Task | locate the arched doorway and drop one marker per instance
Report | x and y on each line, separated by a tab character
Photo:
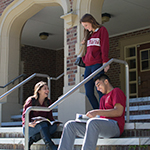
12	23
45	56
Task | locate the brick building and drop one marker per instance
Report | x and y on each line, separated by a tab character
18	57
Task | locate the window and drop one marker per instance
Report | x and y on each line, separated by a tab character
131	59
145	60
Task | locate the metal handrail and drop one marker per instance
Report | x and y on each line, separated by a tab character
25	81
12	81
28	79
34	108
52	78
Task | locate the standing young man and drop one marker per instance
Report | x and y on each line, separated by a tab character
110	124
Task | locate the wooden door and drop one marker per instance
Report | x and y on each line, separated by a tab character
143	60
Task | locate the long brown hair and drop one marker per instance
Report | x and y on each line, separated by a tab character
36	95
37	88
87	18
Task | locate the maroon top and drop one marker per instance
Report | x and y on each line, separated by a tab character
108	101
97	48
32	114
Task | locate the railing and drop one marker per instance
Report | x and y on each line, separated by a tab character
28	79
52	78
12	81
25	81
35	108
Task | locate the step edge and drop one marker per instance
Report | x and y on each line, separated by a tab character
79	141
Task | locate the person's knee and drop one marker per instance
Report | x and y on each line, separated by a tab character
91	123
69	124
97	123
43	124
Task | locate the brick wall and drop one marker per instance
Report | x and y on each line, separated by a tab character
114	52
71	67
4	4
45	61
71	4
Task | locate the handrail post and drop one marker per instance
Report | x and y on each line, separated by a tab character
49	86
127	91
49	83
27	129
29	109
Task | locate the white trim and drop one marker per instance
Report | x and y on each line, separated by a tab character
12	141
129	32
59	49
79	141
139	108
11	130
128	126
13	7
140	99
139	117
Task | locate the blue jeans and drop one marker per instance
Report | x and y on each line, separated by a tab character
35	133
89	86
38	127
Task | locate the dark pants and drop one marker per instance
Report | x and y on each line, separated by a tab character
89	86
34	133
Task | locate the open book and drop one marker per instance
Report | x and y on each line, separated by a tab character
82	118
40	119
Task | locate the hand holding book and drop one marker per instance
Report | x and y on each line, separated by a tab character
82	118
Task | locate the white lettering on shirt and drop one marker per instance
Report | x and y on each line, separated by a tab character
93	42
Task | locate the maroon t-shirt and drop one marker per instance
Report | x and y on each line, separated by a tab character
109	100
97	47
32	114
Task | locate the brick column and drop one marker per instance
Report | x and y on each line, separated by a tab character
71	3
71	67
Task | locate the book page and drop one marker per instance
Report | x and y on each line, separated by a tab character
56	122
81	118
40	119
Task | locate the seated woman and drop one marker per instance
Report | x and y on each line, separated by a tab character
43	129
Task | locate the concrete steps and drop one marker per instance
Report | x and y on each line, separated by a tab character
139	109
136	135
111	144
12	138
12	124
139	112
